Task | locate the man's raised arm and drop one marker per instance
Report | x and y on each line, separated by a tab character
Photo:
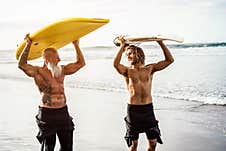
22	64
168	58
80	61
119	67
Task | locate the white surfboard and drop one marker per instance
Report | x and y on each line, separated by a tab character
146	38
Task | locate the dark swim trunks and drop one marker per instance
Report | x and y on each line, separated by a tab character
141	119
50	121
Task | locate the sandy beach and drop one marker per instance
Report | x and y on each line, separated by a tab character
98	116
190	110
189	96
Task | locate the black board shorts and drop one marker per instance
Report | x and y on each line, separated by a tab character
50	121
141	119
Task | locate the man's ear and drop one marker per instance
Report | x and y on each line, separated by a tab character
46	60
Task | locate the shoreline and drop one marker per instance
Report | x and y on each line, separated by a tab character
98	117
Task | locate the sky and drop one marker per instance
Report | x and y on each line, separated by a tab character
196	21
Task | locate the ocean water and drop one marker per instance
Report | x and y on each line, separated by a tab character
198	76
198	73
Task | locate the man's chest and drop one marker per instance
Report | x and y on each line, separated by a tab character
139	76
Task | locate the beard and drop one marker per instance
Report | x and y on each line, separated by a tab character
56	70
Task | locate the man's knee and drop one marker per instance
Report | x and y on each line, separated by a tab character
152	144
134	145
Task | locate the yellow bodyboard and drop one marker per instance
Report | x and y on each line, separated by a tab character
59	34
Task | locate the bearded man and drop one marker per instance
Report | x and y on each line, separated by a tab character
53	117
140	114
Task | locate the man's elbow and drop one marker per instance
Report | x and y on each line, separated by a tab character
171	60
20	66
82	64
115	65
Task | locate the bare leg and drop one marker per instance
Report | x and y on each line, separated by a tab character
152	144
134	145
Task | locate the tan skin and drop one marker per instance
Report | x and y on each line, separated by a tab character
50	87
139	79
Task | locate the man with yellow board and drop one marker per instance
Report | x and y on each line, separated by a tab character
140	114
53	117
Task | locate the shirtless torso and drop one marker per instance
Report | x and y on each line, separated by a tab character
139	82
50	84
139	76
51	88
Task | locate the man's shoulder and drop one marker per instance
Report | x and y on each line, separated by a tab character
150	65
39	67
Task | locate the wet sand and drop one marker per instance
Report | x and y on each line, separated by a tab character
98	116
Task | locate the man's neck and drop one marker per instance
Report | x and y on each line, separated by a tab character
137	66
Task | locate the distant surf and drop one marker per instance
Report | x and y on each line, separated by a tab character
198	73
